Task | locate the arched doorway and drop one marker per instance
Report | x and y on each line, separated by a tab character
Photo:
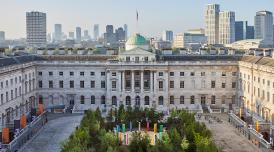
137	101
128	100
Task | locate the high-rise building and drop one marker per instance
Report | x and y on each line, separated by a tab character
78	34
240	30
109	36
96	32
264	27
250	32
86	35
167	36
126	31
57	32
36	26
178	41
2	36
71	35
120	34
226	27
191	39
212	23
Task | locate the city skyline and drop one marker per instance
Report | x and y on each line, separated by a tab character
172	15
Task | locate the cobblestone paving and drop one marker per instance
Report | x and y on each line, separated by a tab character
49	139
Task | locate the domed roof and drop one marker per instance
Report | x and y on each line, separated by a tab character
137	39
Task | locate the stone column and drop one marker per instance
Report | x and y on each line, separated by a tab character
132	81
142	81
151	81
123	81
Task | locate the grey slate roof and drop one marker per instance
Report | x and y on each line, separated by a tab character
12	60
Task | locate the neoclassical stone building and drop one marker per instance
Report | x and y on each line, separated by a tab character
137	77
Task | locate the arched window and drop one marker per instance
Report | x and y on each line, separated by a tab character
92	100
40	100
146	100
51	99
128	100
161	100
82	99
103	100
114	100
137	100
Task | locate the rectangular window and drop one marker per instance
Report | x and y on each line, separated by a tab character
192	99
82	73
127	58
71	73
267	96
50	73
212	84
234	74
223	85
182	99
40	84
161	74
92	100
92	73
171	74
61	84
103	84
50	84
233	85
202	73
92	84
192	73
182	84
82	84
113	74
171	84
71	84
103	73
113	84
136	59
40	73
61	73
213	99
2	99
146	59
171	99
182	74
161	84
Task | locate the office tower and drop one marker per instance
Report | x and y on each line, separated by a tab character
194	38
240	30
96	32
226	27
212	23
120	34
250	32
178	41
78	34
36	29
126	31
86	35
109	29
57	32
264	27
71	35
2	36
109	36
167	36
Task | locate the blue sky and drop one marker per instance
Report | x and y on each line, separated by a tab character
154	15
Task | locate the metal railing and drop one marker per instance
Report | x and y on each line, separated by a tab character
25	134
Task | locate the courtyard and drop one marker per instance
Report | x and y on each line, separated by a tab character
227	137
50	138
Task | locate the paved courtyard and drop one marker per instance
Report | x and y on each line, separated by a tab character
227	137
49	139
